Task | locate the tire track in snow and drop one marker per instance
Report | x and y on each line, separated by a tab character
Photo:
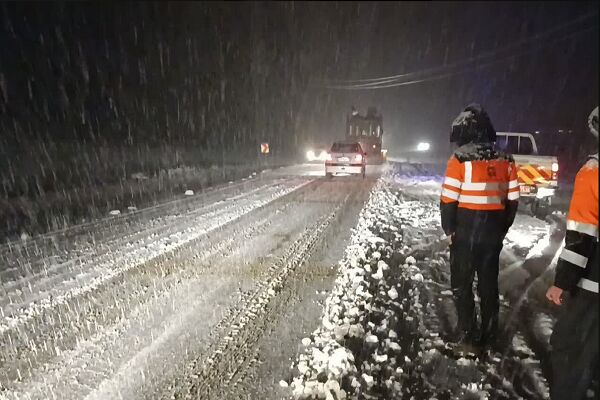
217	375
54	272
224	243
111	265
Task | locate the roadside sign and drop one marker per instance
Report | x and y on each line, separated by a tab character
264	148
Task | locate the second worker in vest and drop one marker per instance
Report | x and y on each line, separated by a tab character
478	205
575	336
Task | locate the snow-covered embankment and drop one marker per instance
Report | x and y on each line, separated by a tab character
386	325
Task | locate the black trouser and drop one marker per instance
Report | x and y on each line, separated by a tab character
466	259
575	347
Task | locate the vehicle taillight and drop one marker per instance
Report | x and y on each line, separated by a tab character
358	158
554	171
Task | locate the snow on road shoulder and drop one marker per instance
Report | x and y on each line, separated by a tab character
385	325
529	235
124	256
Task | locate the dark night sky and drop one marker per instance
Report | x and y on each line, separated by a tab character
549	85
231	74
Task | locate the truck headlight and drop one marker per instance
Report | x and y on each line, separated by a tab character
423	146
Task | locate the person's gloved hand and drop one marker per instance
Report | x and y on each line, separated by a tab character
554	294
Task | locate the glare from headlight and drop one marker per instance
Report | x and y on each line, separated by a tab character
323	155
423	146
310	155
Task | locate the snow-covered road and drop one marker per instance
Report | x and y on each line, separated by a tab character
143	305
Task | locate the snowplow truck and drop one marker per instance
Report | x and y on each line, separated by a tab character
537	175
368	131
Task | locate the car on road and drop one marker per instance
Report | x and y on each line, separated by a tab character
346	158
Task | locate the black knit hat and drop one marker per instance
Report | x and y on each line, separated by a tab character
472	125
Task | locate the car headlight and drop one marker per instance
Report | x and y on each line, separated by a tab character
310	155
323	155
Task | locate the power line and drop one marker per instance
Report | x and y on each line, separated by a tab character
396	83
392	81
484	55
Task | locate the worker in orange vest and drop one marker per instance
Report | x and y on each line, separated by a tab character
575	337
478	205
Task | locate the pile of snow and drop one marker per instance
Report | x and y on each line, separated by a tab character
365	311
380	335
327	364
526	231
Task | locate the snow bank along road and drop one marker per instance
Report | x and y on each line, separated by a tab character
177	300
387	322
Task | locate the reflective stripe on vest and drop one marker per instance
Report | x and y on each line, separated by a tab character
468	171
513	195
574	258
452	182
450	194
479	199
582	227
588	285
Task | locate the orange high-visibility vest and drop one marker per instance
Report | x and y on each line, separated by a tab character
578	261
583	210
480	184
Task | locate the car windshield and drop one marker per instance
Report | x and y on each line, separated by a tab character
345	148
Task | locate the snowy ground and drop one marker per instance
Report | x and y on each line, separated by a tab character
95	198
195	284
214	295
387	323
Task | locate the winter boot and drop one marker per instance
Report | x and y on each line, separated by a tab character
467	346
